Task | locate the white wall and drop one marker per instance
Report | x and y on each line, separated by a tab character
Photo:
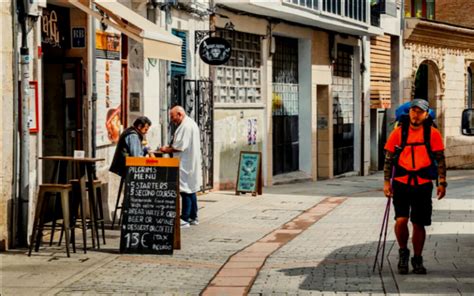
6	111
305	107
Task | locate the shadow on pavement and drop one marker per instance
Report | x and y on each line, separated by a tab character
448	258
347	269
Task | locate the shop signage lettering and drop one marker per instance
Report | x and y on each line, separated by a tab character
78	37
215	51
49	25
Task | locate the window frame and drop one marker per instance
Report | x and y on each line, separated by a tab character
424	9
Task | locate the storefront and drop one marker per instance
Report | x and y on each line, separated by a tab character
87	96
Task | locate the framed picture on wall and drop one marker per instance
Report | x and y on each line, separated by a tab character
33	124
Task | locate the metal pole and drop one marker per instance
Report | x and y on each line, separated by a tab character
24	132
15	177
94	91
165	126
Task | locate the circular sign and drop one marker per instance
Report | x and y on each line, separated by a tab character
215	51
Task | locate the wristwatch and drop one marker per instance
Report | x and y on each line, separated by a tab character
444	184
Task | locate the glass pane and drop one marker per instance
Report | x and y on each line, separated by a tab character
430	9
418	8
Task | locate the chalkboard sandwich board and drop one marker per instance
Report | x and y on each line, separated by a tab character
150	223
249	175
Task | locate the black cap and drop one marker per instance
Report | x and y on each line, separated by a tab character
420	103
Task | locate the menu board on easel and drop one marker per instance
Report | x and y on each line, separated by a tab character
249	175
150	223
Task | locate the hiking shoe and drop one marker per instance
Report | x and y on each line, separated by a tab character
417	263
184	224
194	221
403	257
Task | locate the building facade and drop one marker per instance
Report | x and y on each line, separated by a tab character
296	89
438	65
94	67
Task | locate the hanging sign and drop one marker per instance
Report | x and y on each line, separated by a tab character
215	51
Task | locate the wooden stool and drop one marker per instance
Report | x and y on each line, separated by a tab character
38	223
96	207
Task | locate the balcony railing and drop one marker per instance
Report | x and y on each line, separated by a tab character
355	10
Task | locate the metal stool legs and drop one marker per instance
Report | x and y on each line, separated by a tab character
122	181
64	191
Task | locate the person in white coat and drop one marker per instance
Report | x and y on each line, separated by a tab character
186	145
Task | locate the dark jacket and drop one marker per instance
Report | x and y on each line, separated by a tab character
122	150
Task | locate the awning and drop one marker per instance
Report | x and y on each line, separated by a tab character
157	42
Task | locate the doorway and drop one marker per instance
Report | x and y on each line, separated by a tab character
285	106
427	87
62	110
343	110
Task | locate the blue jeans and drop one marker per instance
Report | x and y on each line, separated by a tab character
190	208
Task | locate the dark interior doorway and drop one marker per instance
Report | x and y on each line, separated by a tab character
285	107
62	110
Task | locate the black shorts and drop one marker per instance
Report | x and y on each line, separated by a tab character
413	201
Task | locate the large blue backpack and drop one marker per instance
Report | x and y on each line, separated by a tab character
402	119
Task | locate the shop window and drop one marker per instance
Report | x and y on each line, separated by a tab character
422	9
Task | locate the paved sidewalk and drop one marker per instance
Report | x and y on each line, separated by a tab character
332	256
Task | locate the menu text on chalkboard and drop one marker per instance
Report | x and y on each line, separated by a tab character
150	206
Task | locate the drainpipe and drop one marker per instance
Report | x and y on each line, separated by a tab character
15	178
94	89
24	131
362	113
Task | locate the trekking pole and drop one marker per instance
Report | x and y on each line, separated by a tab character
384	226
385	235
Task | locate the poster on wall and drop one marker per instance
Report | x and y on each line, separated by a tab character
108	75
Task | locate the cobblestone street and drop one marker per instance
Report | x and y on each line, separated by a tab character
299	239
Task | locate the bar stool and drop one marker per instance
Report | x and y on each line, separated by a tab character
96	207
64	191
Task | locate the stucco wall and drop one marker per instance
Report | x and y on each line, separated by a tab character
6	111
232	127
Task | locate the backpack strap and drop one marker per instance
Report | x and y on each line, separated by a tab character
405	127
427	137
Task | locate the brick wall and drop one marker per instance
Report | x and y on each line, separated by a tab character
455	12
